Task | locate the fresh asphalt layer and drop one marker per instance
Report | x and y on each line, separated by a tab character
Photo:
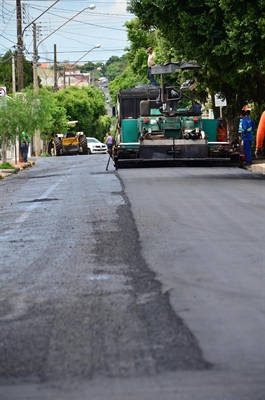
100	296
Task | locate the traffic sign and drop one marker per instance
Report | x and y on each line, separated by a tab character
220	101
2	92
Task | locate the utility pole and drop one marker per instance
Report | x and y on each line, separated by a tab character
13	76
55	84
14	92
20	42
35	60
19	48
36	139
20	73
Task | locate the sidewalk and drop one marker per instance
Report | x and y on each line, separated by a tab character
19	166
258	165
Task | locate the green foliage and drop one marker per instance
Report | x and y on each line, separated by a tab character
85	105
139	64
96	70
6	165
45	155
42	108
77	105
257	111
6	71
126	80
57	123
225	36
89	66
114	67
20	113
112	59
142	38
103	126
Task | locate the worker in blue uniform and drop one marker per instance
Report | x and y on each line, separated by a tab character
248	129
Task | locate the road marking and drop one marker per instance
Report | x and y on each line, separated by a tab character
97	277
30	209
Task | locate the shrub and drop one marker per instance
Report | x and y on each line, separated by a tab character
6	165
45	155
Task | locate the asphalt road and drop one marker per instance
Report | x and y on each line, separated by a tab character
141	284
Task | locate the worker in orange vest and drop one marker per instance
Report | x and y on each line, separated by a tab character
260	136
221	131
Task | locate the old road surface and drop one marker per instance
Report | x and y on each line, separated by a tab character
140	284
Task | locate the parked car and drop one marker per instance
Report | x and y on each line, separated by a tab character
95	146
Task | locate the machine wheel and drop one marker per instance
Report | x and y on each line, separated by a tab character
57	146
83	144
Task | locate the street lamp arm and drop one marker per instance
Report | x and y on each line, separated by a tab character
91	7
95	47
39	16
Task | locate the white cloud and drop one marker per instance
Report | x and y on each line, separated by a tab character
119	7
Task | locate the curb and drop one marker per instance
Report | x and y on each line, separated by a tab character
255	167
4	173
258	168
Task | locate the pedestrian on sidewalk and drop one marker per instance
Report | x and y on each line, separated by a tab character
248	129
25	146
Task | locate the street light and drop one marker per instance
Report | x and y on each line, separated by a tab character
32	22
91	7
35	64
36	46
95	47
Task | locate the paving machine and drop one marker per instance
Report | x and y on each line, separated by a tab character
164	126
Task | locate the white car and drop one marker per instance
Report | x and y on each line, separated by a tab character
95	146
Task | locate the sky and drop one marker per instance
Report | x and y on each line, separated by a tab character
103	25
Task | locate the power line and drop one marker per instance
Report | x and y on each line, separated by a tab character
78	51
7	39
80	1
88	23
78	31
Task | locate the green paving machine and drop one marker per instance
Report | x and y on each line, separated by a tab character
164	126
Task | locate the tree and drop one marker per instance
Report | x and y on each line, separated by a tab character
112	59
85	105
226	37
89	66
101	121
6	71
126	80
57	124
114	67
95	69
103	126
140	39
25	112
